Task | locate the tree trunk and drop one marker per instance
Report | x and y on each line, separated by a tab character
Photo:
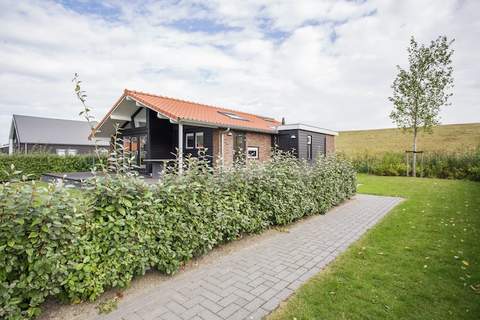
414	164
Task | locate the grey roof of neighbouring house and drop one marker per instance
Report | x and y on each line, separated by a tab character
51	131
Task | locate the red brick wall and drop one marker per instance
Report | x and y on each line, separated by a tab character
330	147
261	140
216	147
228	149
264	143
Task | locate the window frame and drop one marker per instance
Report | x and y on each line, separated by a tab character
257	152
61	152
187	135
72	152
196	140
233	115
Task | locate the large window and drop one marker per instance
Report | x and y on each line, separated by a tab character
189	140
199	140
309	148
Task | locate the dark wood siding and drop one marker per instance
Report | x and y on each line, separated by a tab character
318	144
161	140
299	144
207	140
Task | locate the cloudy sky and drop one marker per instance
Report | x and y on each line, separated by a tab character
327	63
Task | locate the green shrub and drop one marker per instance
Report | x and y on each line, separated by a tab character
444	165
121	226
38	228
36	164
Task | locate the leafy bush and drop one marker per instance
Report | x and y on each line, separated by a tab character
36	164
38	228
445	165
75	247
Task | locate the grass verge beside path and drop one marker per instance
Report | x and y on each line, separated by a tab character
422	261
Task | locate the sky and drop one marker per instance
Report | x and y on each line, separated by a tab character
325	63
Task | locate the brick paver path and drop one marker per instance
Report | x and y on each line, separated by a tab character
251	282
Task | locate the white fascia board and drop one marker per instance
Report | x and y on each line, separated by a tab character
120	117
212	125
306	127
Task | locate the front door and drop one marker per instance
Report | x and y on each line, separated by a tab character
239	147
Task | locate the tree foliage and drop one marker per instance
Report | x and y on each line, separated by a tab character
421	90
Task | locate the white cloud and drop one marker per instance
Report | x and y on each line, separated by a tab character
333	68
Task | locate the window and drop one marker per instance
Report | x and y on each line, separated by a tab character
189	140
199	140
309	147
232	115
61	152
252	152
140	119
72	152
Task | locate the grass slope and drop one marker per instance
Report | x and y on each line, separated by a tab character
454	137
419	262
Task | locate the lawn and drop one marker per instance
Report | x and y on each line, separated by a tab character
422	261
454	137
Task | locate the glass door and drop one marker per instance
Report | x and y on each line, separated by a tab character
136	146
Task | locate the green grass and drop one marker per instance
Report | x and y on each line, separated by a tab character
454	137
419	262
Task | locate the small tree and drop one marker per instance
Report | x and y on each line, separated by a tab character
420	91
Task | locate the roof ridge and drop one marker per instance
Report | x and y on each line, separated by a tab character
196	103
47	118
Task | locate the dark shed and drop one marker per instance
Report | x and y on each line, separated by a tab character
305	141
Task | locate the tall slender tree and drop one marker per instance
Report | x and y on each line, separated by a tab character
421	90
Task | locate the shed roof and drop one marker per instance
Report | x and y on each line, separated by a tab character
40	130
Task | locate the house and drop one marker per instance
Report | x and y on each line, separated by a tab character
63	137
154	128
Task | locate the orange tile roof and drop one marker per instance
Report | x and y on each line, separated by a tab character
176	110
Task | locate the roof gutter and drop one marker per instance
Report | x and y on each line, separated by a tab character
220	125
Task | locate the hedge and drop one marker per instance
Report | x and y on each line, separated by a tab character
36	164
444	165
57	243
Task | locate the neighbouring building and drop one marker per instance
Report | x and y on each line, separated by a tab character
63	137
157	128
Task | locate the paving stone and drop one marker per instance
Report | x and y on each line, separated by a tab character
228	310
253	281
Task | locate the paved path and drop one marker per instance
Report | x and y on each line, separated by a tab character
251	282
